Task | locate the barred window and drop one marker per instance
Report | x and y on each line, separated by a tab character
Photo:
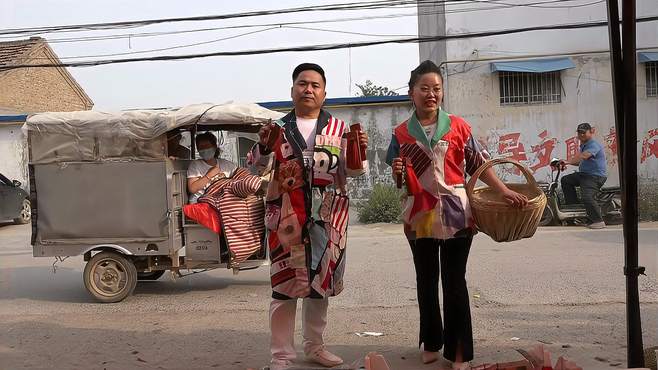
652	78
530	88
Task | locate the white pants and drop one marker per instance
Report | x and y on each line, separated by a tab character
282	326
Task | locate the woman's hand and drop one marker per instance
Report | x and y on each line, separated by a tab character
515	199
212	172
397	166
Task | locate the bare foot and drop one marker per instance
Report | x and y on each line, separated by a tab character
429	357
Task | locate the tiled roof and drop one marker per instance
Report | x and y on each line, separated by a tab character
13	52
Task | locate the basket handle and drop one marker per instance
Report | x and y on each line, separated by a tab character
526	173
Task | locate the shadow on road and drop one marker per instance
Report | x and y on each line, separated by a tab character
66	285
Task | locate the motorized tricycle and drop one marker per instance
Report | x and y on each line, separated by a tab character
103	186
558	213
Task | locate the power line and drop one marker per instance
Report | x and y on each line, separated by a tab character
170	47
381	4
332	20
368	5
325	46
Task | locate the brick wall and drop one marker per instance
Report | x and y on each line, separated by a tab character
39	89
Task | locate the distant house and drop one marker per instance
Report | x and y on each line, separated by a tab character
37	89
30	90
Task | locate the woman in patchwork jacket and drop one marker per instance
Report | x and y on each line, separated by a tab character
434	150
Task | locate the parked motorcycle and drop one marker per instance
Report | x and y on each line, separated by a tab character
558	213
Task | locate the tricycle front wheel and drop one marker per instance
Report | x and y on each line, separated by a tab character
110	277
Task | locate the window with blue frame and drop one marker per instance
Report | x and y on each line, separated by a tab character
530	88
652	78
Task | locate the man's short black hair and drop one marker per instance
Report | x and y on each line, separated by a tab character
308	67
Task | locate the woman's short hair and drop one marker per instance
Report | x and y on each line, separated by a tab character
425	67
207	136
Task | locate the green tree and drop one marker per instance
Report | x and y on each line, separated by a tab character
370	89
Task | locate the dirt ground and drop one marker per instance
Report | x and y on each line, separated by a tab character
563	288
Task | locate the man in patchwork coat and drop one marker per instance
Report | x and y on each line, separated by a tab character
306	215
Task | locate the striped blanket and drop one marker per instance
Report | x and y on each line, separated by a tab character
242	213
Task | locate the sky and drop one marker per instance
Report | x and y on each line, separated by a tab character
217	79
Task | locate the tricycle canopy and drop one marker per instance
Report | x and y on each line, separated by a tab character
133	134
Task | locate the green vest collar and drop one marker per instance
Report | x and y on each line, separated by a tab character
442	128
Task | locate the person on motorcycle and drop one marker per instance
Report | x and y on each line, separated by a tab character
591	175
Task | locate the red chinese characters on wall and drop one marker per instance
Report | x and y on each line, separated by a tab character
610	141
650	145
543	151
573	147
509	146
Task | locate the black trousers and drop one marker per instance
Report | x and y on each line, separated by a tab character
447	259
589	186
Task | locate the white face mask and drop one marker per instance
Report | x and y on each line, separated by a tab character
207	154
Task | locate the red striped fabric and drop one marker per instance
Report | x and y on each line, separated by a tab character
340	212
419	159
242	213
335	127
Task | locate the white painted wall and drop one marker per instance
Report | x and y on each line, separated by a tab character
537	42
378	121
473	91
587	97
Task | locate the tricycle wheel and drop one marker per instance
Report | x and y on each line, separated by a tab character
546	217
110	277
151	275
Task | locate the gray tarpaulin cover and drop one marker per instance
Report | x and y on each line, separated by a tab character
135	134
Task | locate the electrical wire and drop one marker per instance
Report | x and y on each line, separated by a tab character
323	46
371	5
167	48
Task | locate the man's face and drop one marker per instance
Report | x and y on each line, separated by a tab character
584	135
308	91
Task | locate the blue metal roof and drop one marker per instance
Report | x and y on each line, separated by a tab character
359	100
645	57
534	65
13	118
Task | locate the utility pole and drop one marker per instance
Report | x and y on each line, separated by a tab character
624	85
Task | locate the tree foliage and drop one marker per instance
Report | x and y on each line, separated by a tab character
370	89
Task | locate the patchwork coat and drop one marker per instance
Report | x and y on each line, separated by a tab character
438	207
307	207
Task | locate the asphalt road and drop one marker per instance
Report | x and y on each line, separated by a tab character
564	288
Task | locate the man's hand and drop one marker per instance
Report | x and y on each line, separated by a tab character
397	166
515	199
562	165
264	134
363	139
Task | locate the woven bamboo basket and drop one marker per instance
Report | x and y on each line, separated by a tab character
495	217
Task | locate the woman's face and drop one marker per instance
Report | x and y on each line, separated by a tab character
206	149
427	93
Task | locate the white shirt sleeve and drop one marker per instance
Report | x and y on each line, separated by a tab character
195	169
227	167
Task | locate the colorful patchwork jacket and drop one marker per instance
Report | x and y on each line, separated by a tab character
438	207
306	209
